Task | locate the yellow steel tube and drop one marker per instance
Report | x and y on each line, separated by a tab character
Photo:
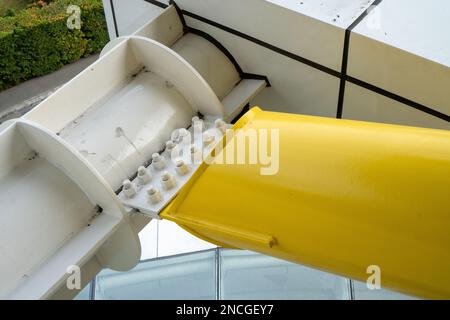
348	195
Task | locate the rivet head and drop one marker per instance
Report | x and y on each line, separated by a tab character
170	145
165	176
128	189
167	180
143	175
197	123
208	138
181	167
184	136
183	132
158	161
221	125
154	194
142	171
156	156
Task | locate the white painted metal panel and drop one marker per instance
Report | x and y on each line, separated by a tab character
365	105
165	28
296	87
302	34
130	15
166	62
50	220
73	165
45	281
340	13
242	94
121	132
132	99
403	47
210	62
416	26
75	97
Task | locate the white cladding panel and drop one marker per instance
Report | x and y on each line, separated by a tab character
403	47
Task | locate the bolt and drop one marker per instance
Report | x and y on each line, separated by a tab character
184	136
208	139
175	135
183	132
181	167
221	125
167	180
197	123
143	175
158	161
154	194
180	136
128	189
156	157
170	145
126	184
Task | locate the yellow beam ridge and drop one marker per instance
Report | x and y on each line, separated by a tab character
344	197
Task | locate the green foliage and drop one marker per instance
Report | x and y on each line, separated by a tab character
10	12
36	41
10	7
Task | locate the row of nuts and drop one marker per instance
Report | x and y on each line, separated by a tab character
144	177
180	136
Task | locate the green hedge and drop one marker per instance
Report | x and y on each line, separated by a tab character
36	40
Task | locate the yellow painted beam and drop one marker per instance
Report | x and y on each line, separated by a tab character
348	195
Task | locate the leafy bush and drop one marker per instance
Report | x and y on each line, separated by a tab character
36	41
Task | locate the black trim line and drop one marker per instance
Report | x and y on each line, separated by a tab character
344	66
220	47
398	98
264	44
116	29
92	289
157	3
244	110
340	105
247	37
254	76
180	14
351	287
